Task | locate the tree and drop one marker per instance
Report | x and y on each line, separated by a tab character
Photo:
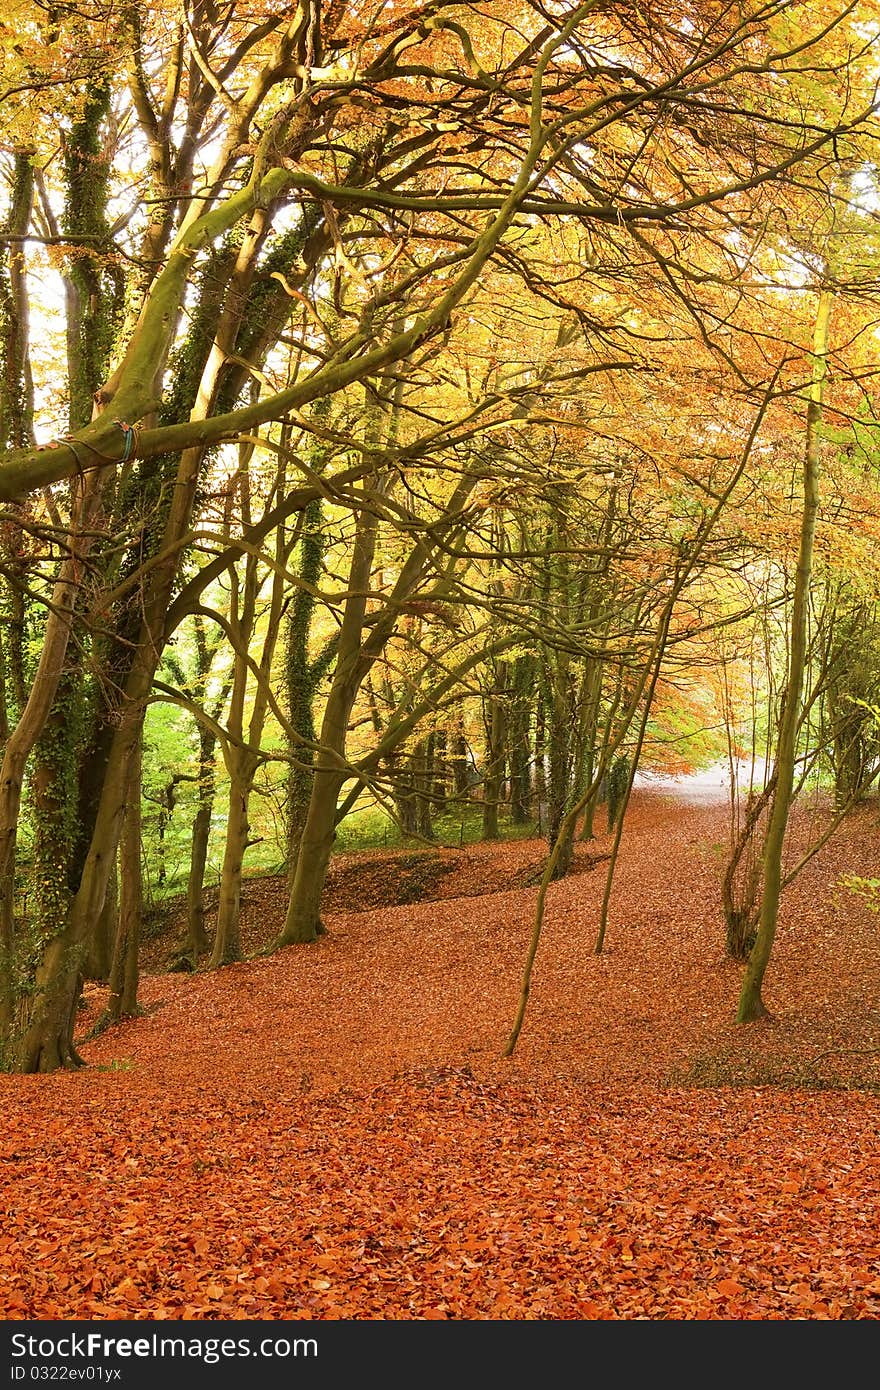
318	200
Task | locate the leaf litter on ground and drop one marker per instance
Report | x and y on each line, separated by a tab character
331	1131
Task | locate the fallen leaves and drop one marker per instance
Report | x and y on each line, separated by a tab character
419	1176
447	1200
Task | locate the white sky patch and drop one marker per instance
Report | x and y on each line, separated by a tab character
865	191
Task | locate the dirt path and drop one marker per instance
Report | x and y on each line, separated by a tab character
435	983
331	1132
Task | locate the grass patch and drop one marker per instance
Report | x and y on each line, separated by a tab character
369	827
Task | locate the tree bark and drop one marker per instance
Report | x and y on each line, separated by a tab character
303	919
124	973
751	1004
196	945
496	752
227	937
30	726
519	741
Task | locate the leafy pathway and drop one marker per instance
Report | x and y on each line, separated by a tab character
331	1133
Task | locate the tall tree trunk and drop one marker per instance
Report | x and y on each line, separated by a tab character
196	944
751	1004
588	733
440	788
459	764
303	919
98	960
540	774
242	762
355	656
423	780
519	742
16	383
122	1001
401	776
560	760
301	676
227	937
496	752
31	725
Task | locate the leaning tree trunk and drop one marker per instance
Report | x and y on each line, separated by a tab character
751	1004
47	1041
355	655
303	919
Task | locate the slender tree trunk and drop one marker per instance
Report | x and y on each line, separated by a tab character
227	938
740	887
496	751
423	782
519	754
559	751
241	761
540	777
301	675
751	1004
122	1001
440	788
196	945
459	764
588	734
16	384
569	823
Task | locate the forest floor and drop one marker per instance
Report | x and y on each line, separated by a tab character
331	1131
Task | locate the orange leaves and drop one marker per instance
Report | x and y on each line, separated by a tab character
419	1177
491	1199
729	1288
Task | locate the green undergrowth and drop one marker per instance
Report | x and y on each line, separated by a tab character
367	828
